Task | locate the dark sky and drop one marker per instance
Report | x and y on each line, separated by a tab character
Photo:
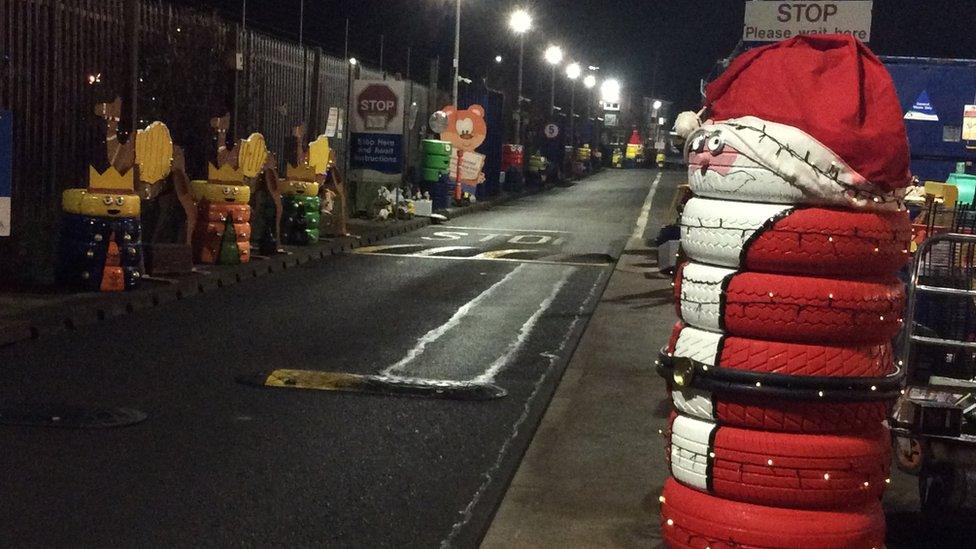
622	37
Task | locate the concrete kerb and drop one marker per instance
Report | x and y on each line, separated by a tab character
75	311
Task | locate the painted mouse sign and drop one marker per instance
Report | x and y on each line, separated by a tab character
466	130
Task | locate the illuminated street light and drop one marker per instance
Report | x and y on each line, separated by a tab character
573	71
589	81
657	104
352	61
498	59
554	55
520	22
610	91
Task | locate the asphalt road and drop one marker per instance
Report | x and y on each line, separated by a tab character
500	297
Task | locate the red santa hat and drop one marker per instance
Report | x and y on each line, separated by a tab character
838	97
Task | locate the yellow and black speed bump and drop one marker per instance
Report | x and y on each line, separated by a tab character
374	384
69	417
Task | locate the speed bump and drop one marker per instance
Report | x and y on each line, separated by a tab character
315	380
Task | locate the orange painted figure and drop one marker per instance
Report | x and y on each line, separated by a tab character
466	131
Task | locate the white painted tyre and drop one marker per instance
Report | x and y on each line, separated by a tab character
795	240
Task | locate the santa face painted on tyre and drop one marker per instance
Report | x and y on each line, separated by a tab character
754	160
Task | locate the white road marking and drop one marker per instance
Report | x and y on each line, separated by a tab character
441	250
637	238
506	231
372	249
475	258
489	375
455	319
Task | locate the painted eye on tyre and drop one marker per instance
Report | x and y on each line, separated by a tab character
716	144
698	143
226	191
107	200
120	200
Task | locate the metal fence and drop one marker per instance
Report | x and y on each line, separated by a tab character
58	58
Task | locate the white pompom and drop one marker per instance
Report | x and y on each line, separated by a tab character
686	123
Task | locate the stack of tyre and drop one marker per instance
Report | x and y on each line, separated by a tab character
437	159
780	370
513	156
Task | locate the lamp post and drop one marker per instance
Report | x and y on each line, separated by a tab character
457	51
589	82
573	72
554	56
520	22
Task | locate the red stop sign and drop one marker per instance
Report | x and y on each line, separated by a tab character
377	102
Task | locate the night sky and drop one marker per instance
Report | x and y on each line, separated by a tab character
622	37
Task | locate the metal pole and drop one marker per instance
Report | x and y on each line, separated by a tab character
345	133
132	32
518	101
301	46
457	51
572	115
382	39
552	95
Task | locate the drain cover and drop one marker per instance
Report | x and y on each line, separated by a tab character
69	417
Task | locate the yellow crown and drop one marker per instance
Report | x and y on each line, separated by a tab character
302	172
111	181
224	174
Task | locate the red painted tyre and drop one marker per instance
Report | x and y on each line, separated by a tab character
778	357
787	239
694	520
790	308
780	415
798	471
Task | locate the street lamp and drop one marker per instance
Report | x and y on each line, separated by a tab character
520	22
657	104
498	59
610	91
573	72
554	56
589	81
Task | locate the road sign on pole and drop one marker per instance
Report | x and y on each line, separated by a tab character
771	21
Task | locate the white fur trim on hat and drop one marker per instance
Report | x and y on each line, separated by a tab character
778	164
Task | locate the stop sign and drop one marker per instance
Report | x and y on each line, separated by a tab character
376	105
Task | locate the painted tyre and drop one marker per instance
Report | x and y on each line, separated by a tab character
433	175
789	308
780	415
240	213
798	471
433	146
777	357
437	162
694	520
786	239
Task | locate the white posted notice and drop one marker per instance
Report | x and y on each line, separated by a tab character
771	21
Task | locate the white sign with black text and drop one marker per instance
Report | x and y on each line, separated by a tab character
771	21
